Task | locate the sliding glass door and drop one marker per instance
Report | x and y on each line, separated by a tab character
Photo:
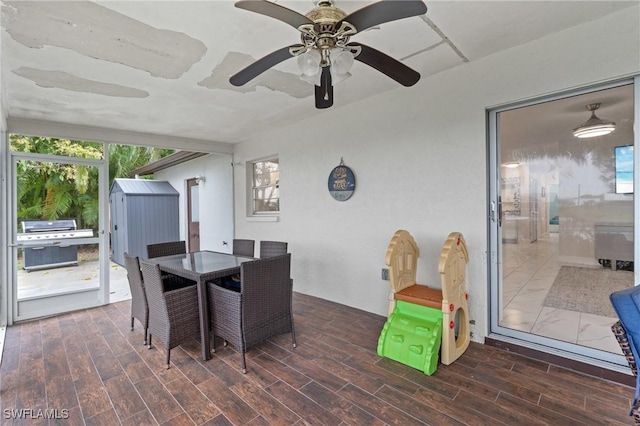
562	224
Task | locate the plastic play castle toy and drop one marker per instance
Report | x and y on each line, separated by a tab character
425	322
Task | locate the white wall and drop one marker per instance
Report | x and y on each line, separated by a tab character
420	159
216	198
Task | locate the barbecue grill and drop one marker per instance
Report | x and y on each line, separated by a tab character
42	245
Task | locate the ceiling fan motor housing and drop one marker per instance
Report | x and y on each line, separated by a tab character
323	34
326	12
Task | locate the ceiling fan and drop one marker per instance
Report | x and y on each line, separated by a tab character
325	55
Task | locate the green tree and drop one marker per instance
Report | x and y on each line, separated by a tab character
52	190
123	159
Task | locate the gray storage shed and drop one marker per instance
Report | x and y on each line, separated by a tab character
142	212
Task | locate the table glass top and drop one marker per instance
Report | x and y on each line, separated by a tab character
202	262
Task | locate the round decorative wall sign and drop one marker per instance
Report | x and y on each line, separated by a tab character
342	182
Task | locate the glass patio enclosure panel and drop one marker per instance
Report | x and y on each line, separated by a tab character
61	269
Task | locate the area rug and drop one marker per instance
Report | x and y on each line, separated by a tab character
587	290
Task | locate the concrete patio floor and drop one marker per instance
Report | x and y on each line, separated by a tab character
38	283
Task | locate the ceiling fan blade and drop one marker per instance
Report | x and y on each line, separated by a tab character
384	11
387	65
261	65
274	10
324	92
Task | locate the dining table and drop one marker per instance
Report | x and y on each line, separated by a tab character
201	267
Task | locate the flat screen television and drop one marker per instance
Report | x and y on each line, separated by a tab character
624	169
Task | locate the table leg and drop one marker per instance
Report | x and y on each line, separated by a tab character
204	320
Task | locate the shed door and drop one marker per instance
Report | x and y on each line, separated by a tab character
118	231
193	214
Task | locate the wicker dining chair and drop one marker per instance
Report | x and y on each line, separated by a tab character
261	309
139	305
173	314
244	247
272	248
166	249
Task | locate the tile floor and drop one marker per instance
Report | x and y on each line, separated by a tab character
90	367
529	272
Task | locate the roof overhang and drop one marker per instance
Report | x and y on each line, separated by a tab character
166	162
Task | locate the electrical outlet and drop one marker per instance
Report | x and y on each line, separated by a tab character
385	274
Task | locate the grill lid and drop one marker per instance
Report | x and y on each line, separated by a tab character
29	226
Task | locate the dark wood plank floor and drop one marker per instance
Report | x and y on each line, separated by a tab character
88	366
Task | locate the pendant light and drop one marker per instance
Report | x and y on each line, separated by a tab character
594	126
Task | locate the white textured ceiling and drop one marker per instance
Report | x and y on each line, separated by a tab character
162	67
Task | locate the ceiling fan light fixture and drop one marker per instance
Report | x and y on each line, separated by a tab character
594	126
337	78
311	79
309	63
341	63
312	61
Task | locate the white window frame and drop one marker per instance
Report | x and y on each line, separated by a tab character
251	207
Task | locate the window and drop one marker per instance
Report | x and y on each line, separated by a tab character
265	186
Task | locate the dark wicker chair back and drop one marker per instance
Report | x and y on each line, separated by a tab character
272	248
139	306
169	249
244	247
173	314
166	249
260	310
